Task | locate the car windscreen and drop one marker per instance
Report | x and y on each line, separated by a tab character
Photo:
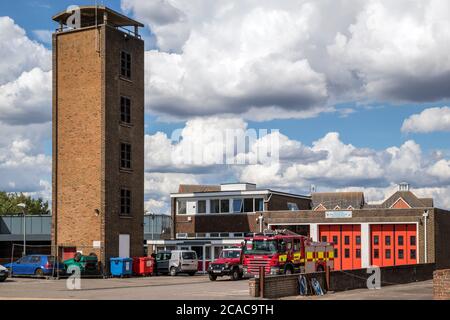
230	254
189	255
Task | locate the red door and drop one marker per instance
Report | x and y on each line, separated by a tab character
356	239
335	237
411	234
389	245
401	246
347	247
377	245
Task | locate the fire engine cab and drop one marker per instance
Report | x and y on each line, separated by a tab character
285	252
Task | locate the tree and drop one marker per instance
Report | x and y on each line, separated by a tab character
9	202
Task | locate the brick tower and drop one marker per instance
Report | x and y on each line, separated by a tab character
98	134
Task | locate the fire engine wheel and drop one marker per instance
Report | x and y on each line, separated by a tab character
212	277
288	270
236	275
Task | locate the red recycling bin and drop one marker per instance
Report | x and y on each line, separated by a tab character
143	266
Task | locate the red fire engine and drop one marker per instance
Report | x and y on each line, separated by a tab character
285	252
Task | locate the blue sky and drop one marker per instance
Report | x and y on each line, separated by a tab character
207	61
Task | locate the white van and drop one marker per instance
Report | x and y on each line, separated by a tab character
183	261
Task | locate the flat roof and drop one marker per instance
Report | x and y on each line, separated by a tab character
236	193
89	12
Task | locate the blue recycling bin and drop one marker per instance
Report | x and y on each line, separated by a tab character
121	267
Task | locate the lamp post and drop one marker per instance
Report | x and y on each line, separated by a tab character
23	206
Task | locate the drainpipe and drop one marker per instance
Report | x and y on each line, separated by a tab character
425	216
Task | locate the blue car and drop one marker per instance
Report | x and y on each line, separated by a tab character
36	265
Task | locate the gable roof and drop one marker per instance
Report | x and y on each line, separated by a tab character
409	198
331	200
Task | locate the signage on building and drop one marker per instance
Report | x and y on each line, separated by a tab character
338	214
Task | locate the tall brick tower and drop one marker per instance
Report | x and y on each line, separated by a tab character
98	134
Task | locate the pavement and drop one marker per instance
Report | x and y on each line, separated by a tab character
412	291
139	288
183	288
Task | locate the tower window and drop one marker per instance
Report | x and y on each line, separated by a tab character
125	202
125	156
125	65
125	110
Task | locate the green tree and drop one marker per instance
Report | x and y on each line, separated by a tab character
9	202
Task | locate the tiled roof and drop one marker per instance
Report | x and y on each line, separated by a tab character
409	197
190	188
343	200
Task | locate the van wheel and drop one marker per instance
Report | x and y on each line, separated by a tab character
235	275
212	277
173	271
39	273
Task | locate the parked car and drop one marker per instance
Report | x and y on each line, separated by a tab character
87	264
3	273
37	265
177	261
229	263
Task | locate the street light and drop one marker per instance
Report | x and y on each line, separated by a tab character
23	207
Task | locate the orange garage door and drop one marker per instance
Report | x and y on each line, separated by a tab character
347	244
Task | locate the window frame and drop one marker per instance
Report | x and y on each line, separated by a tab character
125	71
126	158
125	202
125	110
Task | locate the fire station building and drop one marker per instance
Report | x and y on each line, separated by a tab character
403	229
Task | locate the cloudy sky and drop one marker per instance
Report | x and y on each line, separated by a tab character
359	91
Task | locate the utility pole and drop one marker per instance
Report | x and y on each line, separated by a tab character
23	206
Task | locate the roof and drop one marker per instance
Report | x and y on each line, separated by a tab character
191	188
410	198
88	13
330	200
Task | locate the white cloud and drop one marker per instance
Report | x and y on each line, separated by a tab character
44	36
293	59
429	120
27	99
18	52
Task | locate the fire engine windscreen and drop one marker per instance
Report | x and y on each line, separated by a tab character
263	246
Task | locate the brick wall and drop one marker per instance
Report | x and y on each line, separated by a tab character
441	284
282	286
442	238
86	140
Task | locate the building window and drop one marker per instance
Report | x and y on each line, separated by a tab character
336	251
125	65
181	206
324	238
376	240
225	235
335	240
387	240
347	253
201	206
214	235
259	204
237	205
125	110
125	156
413	254
388	253
347	240
412	240
401	254
125	202
292	206
400	240
376	253
215	206
358	240
248	205
358	253
225	206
